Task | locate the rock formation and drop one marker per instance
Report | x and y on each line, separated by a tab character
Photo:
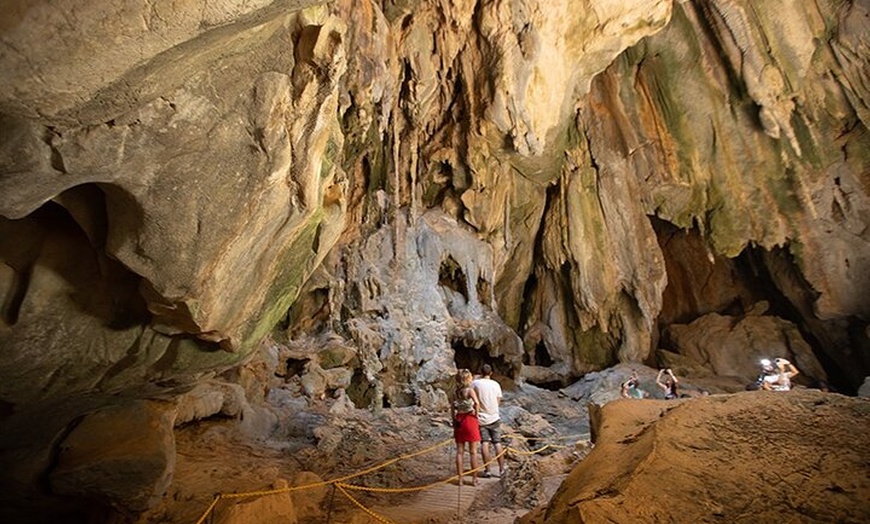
771	455
388	190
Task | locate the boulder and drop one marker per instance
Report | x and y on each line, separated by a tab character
276	508
123	456
211	398
733	346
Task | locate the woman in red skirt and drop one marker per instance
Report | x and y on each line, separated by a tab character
463	411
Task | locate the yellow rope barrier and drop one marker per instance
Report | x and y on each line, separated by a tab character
371	513
533	451
321	483
580	436
210	507
425	486
342	485
373	489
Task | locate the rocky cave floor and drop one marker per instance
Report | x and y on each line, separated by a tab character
314	444
329	439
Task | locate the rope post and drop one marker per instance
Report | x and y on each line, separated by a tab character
331	499
459	499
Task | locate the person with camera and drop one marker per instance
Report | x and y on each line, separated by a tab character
631	388
669	386
780	379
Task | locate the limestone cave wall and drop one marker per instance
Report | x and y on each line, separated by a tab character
553	187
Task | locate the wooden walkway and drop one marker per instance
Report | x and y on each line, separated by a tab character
440	501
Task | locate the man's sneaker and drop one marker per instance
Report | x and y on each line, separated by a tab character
486	474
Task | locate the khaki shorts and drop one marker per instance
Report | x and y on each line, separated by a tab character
491	432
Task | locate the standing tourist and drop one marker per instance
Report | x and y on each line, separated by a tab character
466	429
489	393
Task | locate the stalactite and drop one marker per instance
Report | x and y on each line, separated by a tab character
414	203
396	191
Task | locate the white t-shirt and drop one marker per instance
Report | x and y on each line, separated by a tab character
489	394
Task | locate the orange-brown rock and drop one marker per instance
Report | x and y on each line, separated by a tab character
798	455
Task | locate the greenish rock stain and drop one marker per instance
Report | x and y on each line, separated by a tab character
330	154
366	145
596	348
191	356
783	189
810	153
725	225
294	269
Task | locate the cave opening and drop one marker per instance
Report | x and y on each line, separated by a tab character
451	276
295	367
701	282
473	359
68	236
797	308
542	355
361	391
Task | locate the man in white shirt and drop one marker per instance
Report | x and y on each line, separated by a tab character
489	394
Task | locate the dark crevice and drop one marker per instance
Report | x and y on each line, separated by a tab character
295	367
310	313
484	292
452	276
800	314
43	480
555	385
700	283
529	306
15	298
361	392
474	357
214	418
56	157
536	351
542	356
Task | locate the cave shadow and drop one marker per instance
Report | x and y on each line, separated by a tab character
473	359
701	282
67	236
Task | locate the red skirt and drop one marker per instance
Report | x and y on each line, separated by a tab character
466	429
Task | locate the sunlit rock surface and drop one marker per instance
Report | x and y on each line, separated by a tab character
735	458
